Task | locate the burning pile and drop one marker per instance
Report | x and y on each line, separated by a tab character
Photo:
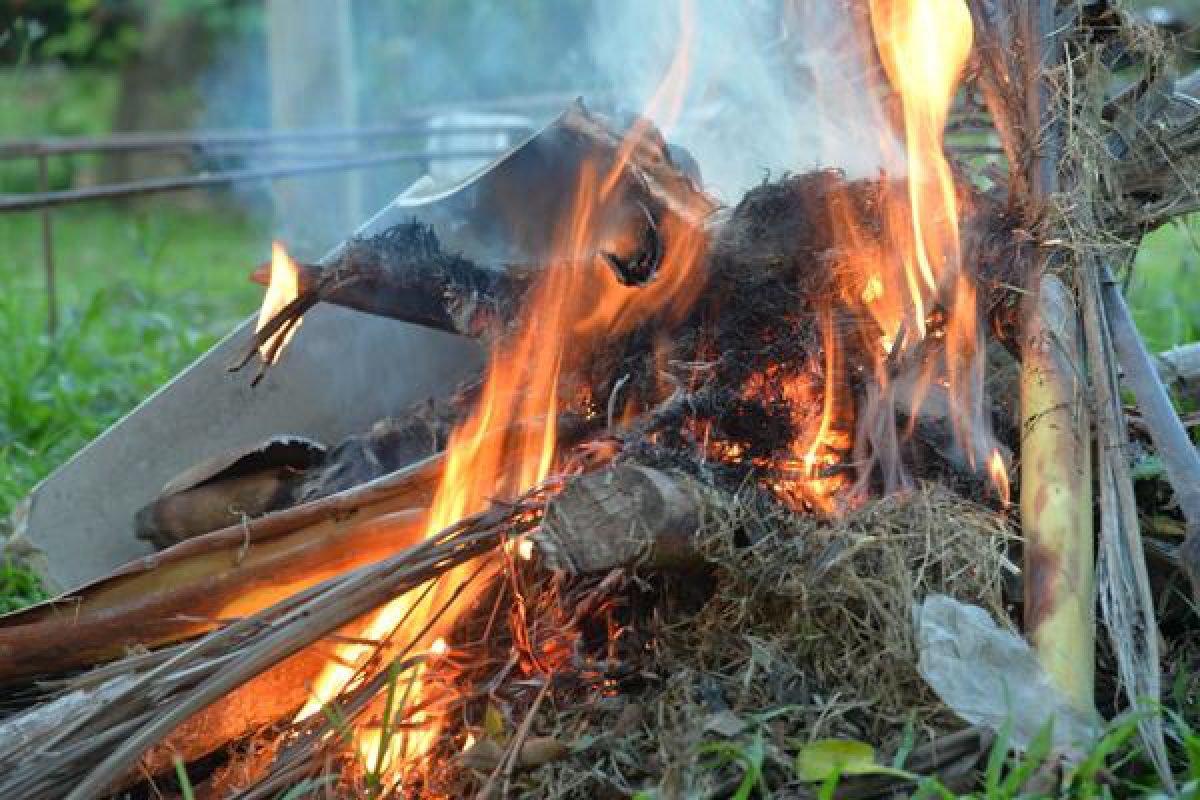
792	418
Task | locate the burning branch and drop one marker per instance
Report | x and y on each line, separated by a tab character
403	273
167	692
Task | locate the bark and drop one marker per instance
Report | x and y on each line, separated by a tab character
625	516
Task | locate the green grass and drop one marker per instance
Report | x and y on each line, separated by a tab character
1165	291
142	293
1113	767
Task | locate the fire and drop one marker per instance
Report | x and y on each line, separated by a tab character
508	444
998	472
910	277
283	288
924	45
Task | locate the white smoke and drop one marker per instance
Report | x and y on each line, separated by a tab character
773	86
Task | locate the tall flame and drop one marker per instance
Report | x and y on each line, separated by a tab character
508	443
910	276
283	288
924	46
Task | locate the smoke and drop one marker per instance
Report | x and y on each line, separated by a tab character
772	86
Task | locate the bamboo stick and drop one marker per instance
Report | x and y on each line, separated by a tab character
1056	495
1056	514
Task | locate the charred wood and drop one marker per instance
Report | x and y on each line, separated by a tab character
227	489
404	273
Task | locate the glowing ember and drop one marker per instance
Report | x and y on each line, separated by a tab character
283	288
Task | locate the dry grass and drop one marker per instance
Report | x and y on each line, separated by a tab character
807	633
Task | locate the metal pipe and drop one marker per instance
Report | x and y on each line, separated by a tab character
174	140
42	200
48	251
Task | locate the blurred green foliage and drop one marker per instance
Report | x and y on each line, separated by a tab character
102	33
53	101
143	294
1164	292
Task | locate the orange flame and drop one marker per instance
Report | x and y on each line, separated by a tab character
909	276
924	45
283	288
999	475
508	443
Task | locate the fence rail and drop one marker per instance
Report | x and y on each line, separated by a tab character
48	199
263	144
225	140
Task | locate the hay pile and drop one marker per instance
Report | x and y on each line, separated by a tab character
807	632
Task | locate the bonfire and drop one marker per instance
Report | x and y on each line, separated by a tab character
735	481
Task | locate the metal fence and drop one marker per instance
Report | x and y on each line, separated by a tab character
302	153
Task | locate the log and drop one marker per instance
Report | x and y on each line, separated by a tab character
626	516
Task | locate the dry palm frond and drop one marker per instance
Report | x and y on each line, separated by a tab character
97	748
